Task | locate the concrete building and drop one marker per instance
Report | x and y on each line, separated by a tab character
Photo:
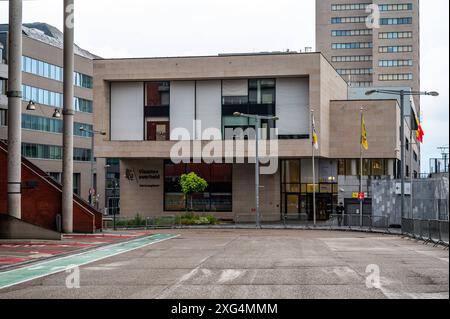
42	65
365	55
142	104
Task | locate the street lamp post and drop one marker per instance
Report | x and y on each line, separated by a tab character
402	94
257	119
68	112
14	94
92	133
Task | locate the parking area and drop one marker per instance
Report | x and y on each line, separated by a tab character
226	264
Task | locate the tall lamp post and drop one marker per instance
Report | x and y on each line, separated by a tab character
15	109
92	134
257	119
402	94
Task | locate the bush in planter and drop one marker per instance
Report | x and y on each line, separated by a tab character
191	219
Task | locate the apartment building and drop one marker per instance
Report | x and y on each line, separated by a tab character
42	66
143	104
366	55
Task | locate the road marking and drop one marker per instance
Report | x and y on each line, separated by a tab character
46	268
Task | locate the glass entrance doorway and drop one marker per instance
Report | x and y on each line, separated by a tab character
300	207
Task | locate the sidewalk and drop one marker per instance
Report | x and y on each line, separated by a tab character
15	253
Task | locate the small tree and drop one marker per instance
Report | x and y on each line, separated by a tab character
191	184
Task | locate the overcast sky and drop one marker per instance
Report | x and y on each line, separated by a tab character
144	28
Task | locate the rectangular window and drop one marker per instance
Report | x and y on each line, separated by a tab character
351	33
395	63
3	117
3	83
351	45
349	7
396	77
395	49
395	35
340	20
216	198
77	183
352	58
261	91
158	131
395	21
157	94
56	176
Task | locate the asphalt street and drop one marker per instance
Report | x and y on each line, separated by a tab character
287	264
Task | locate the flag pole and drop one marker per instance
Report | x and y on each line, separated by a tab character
313	167
361	172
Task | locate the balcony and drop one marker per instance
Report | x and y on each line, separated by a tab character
157	111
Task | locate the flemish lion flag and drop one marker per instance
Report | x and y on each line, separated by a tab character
364	141
419	133
315	139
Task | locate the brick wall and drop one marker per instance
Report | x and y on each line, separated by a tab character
41	199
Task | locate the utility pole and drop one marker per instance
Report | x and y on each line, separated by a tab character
68	113
361	172
15	109
403	152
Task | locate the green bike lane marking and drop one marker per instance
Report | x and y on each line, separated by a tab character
46	268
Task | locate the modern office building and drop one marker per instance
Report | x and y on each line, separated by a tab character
42	65
365	56
143	103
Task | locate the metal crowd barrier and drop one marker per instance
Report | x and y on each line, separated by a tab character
334	222
429	231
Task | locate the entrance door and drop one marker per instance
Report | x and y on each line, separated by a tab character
292	205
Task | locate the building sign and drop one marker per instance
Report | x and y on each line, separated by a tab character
360	196
144	177
398	189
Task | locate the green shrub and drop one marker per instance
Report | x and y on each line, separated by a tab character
191	219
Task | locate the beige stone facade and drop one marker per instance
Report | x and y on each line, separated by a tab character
337	123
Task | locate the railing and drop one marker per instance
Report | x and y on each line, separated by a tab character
156	222
430	231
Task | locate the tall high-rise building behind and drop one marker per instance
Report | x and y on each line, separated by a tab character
383	53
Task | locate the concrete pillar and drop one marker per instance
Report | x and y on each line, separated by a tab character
15	109
354	168
391	164
68	113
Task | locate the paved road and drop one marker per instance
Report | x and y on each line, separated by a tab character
257	264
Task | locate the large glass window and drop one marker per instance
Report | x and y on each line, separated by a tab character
53	152
262	91
54	72
216	198
44	124
235	128
157	94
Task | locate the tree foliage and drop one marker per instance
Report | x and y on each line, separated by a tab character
192	183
